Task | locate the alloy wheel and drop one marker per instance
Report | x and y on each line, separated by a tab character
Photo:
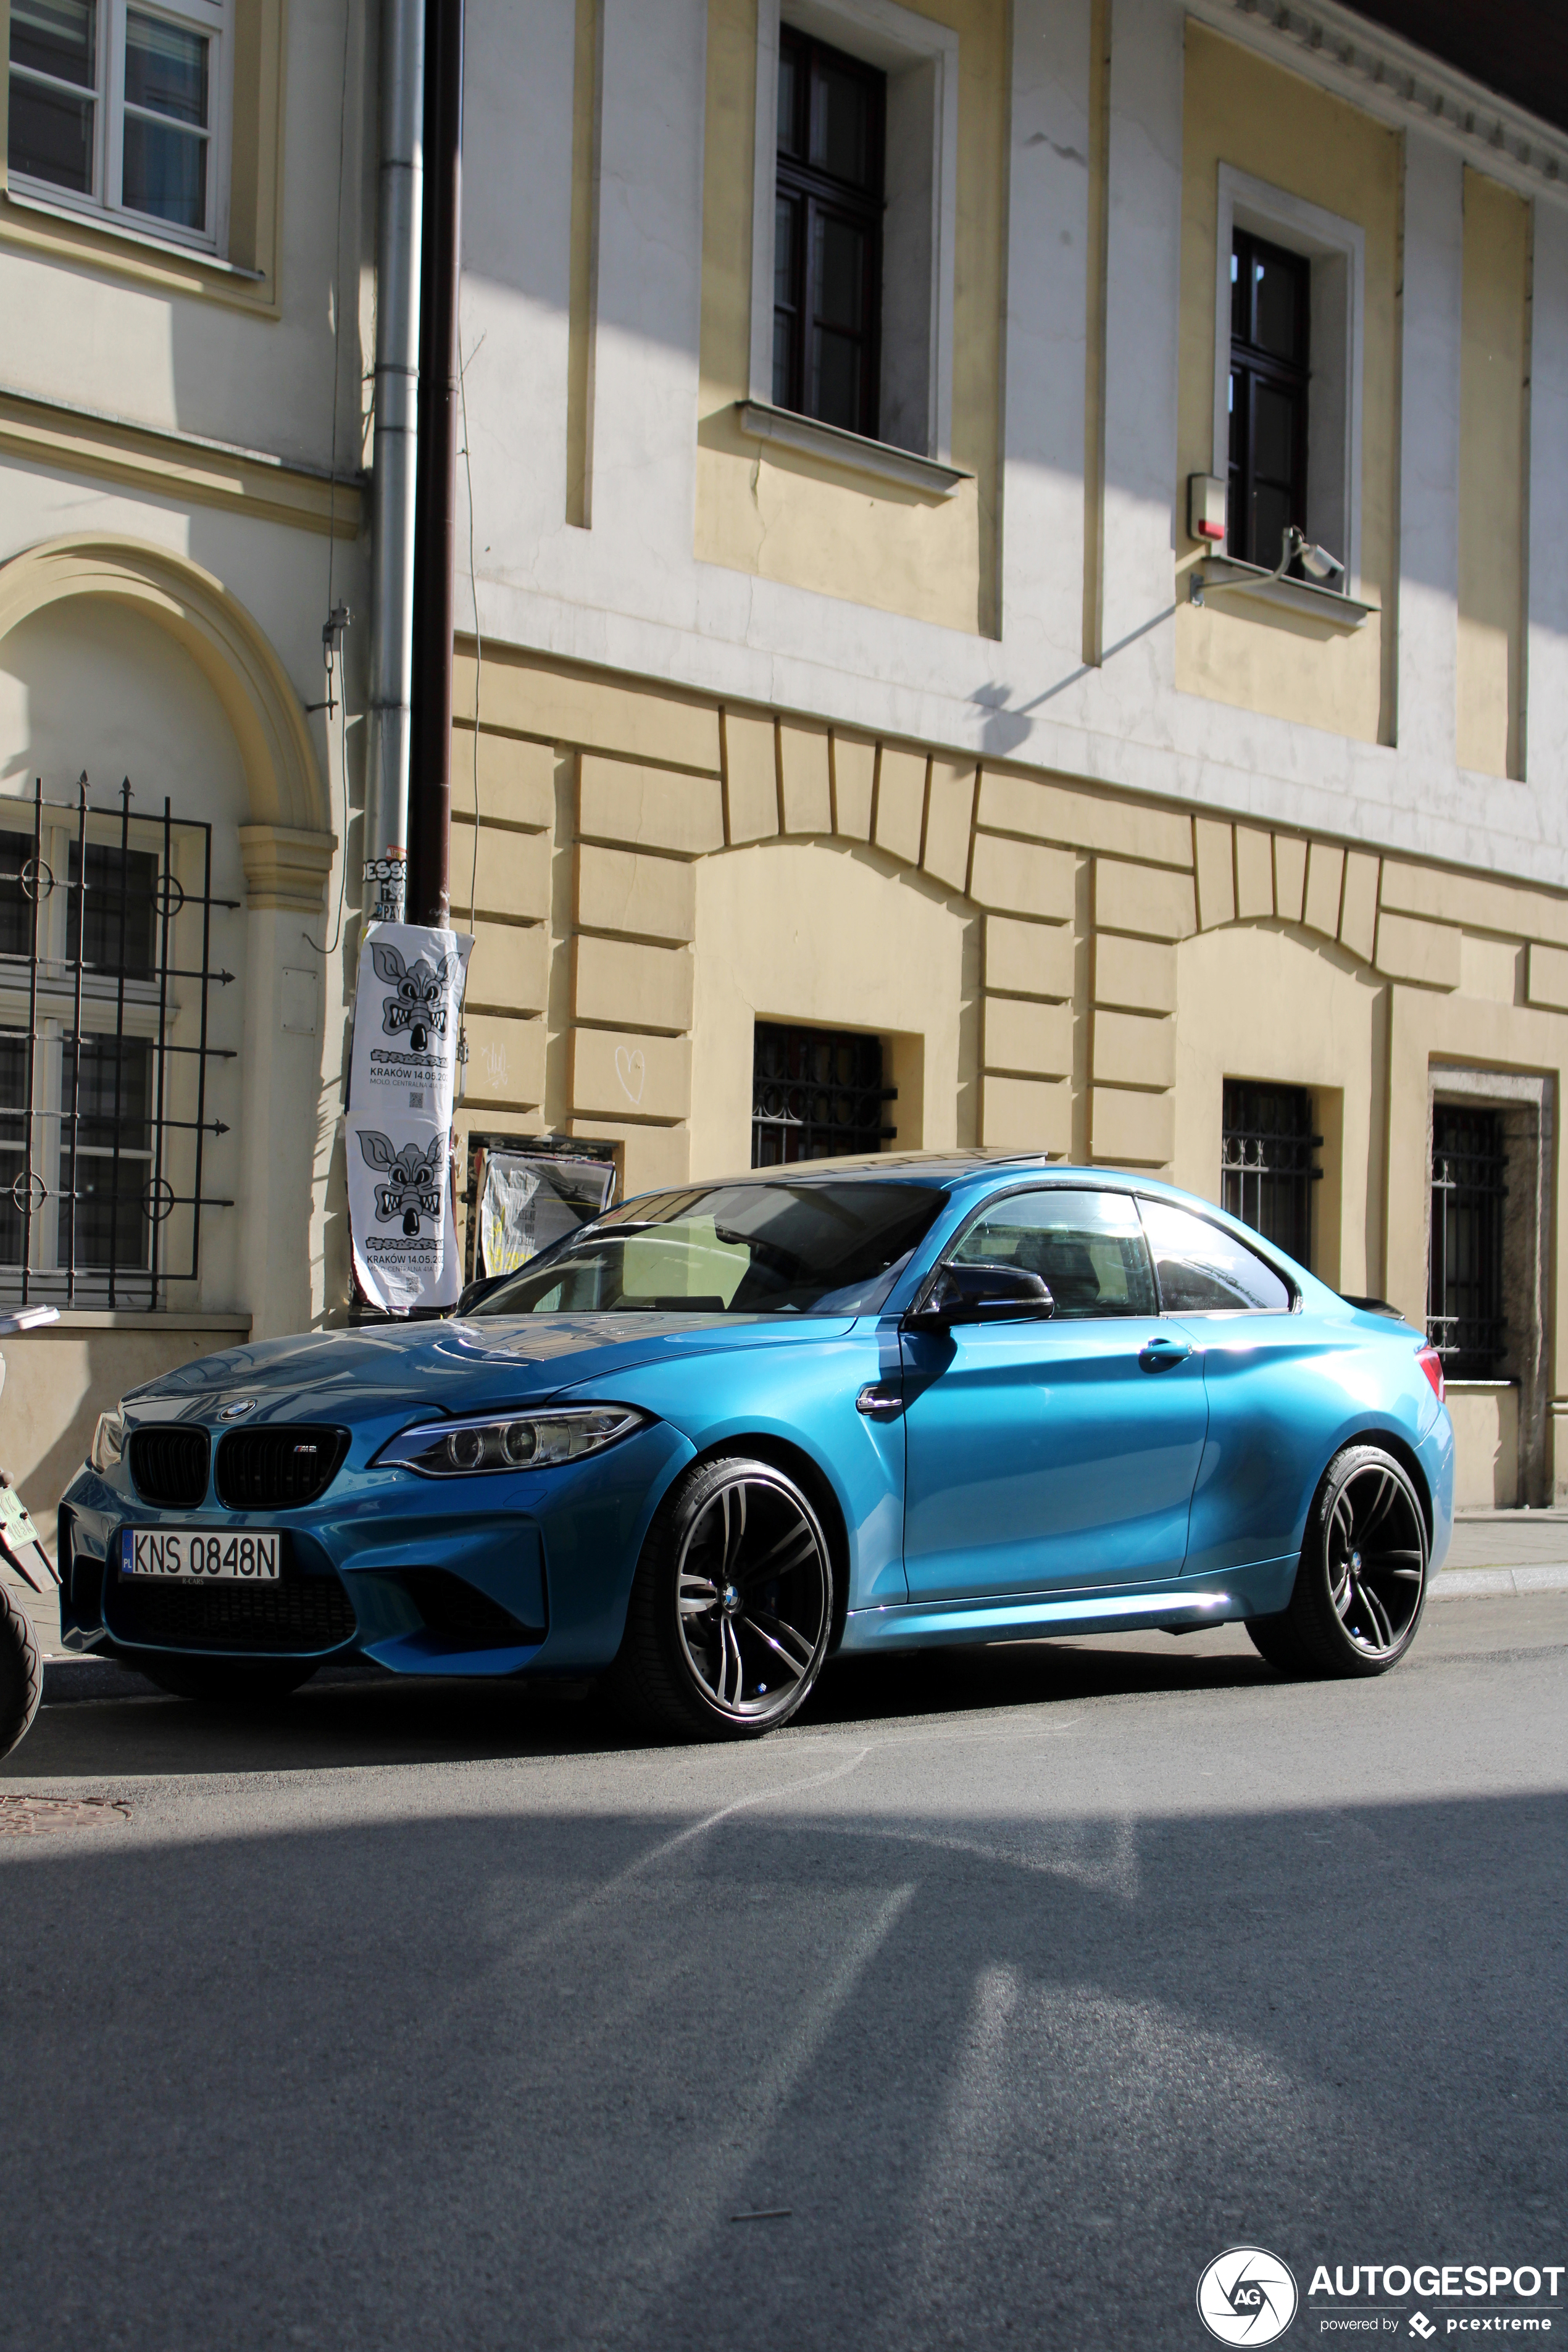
752	1596
1375	1555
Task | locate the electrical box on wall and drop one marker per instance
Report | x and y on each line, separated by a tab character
1206	508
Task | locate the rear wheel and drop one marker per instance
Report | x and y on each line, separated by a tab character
1361	1585
229	1682
731	1607
21	1672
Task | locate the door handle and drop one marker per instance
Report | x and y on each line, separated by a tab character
1159	1355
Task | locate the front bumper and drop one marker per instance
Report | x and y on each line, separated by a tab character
507	1573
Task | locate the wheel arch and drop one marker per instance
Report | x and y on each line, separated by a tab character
1394	1441
764	1445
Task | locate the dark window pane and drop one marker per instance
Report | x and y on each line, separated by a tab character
840	124
165	173
835	380
1266	1163
165	68
787	218
1270	519
782	371
56	36
50	135
107	1222
122	922
815	1093
13	1144
1202	1268
840	273
1276	297
16	906
1464	1315
1088	1248
1274	417
790	69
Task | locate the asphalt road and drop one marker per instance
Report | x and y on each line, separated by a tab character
1024	1981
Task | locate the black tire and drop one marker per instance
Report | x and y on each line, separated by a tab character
1362	1583
731	1607
21	1671
224	1681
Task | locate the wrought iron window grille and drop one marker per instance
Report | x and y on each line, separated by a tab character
1266	1167
103	1107
1465	1318
816	1093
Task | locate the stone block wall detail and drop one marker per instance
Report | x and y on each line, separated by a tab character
600	794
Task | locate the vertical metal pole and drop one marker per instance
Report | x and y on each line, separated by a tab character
33	1032
75	1033
394	458
202	1049
430	782
119	1035
160	1083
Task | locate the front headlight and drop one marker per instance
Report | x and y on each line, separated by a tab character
107	1441
516	1441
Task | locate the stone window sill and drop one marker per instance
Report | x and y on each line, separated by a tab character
852	451
1251	579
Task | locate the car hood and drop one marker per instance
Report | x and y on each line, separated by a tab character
448	1366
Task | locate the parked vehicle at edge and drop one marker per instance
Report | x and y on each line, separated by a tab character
21	1660
718	1434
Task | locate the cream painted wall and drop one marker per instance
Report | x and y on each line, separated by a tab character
1240	109
794	518
1492	367
1262	1001
813	932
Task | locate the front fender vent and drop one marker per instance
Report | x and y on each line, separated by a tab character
278	1469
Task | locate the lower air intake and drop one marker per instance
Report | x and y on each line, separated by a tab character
297	1617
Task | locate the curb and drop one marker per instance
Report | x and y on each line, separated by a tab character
1472	1583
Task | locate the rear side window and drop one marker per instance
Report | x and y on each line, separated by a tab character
1088	1248
1202	1269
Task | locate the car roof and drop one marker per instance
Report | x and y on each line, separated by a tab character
942	1168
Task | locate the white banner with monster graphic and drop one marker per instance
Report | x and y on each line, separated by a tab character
407	1016
400	1212
402	1082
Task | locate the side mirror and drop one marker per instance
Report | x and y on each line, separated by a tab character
984	1293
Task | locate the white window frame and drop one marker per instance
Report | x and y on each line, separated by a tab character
1337	251
920	61
214	20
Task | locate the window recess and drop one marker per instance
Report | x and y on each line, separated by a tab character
105	981
1465	1310
1289	293
816	1094
1268	1167
853	232
122	110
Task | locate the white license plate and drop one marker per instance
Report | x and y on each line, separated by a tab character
201	1554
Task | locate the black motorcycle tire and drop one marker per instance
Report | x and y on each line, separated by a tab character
21	1671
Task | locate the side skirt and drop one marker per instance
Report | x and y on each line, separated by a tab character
1260	1591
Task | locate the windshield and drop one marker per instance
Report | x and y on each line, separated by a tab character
732	1249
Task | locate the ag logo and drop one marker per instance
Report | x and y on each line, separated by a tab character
1247	2297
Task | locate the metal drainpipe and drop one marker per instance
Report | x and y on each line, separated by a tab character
395	456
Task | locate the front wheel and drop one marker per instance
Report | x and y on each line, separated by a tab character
21	1672
1361	1585
225	1681
731	1607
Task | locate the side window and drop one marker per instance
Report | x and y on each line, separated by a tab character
1202	1269
1086	1247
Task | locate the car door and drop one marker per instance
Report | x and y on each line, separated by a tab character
1056	1453
1275	1376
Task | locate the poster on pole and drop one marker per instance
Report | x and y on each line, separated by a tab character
402	1082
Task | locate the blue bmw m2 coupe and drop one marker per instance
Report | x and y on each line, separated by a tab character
717	1436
